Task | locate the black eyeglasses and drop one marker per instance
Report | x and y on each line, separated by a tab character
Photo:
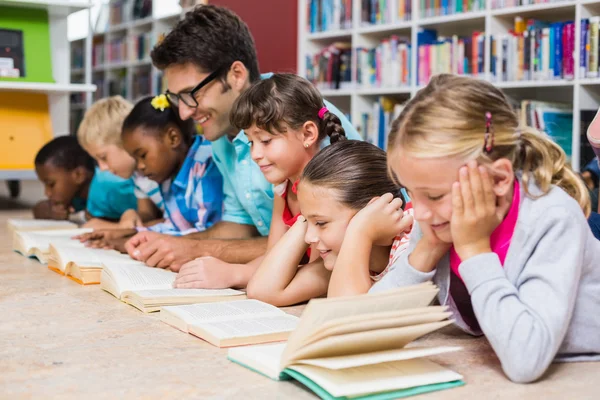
189	97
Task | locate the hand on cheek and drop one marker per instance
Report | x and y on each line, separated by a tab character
475	211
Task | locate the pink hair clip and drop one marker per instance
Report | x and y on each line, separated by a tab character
322	112
488	140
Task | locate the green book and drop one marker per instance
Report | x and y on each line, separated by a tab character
354	347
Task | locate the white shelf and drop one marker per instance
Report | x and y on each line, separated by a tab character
337	92
116	65
64	7
558	6
533	84
452	19
384	91
385	28
45	87
589	81
339	34
118	27
138	23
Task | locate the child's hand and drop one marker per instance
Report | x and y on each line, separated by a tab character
476	211
204	273
101	238
59	211
382	220
130	219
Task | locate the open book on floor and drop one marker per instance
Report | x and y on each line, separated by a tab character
232	323
82	264
14	224
37	243
148	289
354	347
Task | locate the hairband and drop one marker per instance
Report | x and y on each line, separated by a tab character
160	102
488	139
322	112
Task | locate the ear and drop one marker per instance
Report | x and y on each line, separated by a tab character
503	176
173	137
80	175
310	134
238	76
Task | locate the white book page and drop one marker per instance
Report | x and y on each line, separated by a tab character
378	357
249	327
264	358
224	311
39	223
157	294
378	378
137	277
42	239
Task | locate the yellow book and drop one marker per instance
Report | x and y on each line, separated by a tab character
148	289
355	346
37	243
232	323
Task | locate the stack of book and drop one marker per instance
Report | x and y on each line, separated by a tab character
331	68
375	125
378	12
534	50
140	46
116	50
98	54
588	49
118	11
436	8
140	84
387	65
329	15
452	55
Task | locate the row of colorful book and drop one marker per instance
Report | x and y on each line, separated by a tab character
387	65
377	12
329	15
454	55
140	46
535	50
98	54
331	68
436	8
374	126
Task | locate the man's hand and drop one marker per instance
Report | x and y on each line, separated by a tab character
162	251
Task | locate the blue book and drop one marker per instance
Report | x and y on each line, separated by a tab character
583	56
557	28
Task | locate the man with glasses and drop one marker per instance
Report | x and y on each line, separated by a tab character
208	60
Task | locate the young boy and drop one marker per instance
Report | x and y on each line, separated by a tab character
100	135
72	185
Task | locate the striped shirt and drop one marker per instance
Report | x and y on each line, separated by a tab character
148	189
193	200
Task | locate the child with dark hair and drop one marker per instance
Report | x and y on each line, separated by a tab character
286	124
209	60
167	151
72	185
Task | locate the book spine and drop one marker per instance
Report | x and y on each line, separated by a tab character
593	54
545	58
558	52
583	47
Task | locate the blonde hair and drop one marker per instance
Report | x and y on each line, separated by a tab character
447	119
103	121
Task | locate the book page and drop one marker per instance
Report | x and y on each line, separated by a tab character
362	342
137	277
157	294
321	311
31	224
263	358
378	378
224	311
247	327
357	360
42	239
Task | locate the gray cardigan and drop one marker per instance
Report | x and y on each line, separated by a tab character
544	305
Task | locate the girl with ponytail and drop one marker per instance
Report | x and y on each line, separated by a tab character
500	226
286	122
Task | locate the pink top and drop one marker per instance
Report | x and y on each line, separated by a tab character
502	235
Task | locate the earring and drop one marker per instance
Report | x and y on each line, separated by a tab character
306	145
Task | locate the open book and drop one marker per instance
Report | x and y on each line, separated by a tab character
82	264
37	243
38	224
232	323
148	289
355	347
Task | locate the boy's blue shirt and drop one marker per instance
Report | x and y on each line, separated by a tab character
110	196
248	195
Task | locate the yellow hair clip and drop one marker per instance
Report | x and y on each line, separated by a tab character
160	102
